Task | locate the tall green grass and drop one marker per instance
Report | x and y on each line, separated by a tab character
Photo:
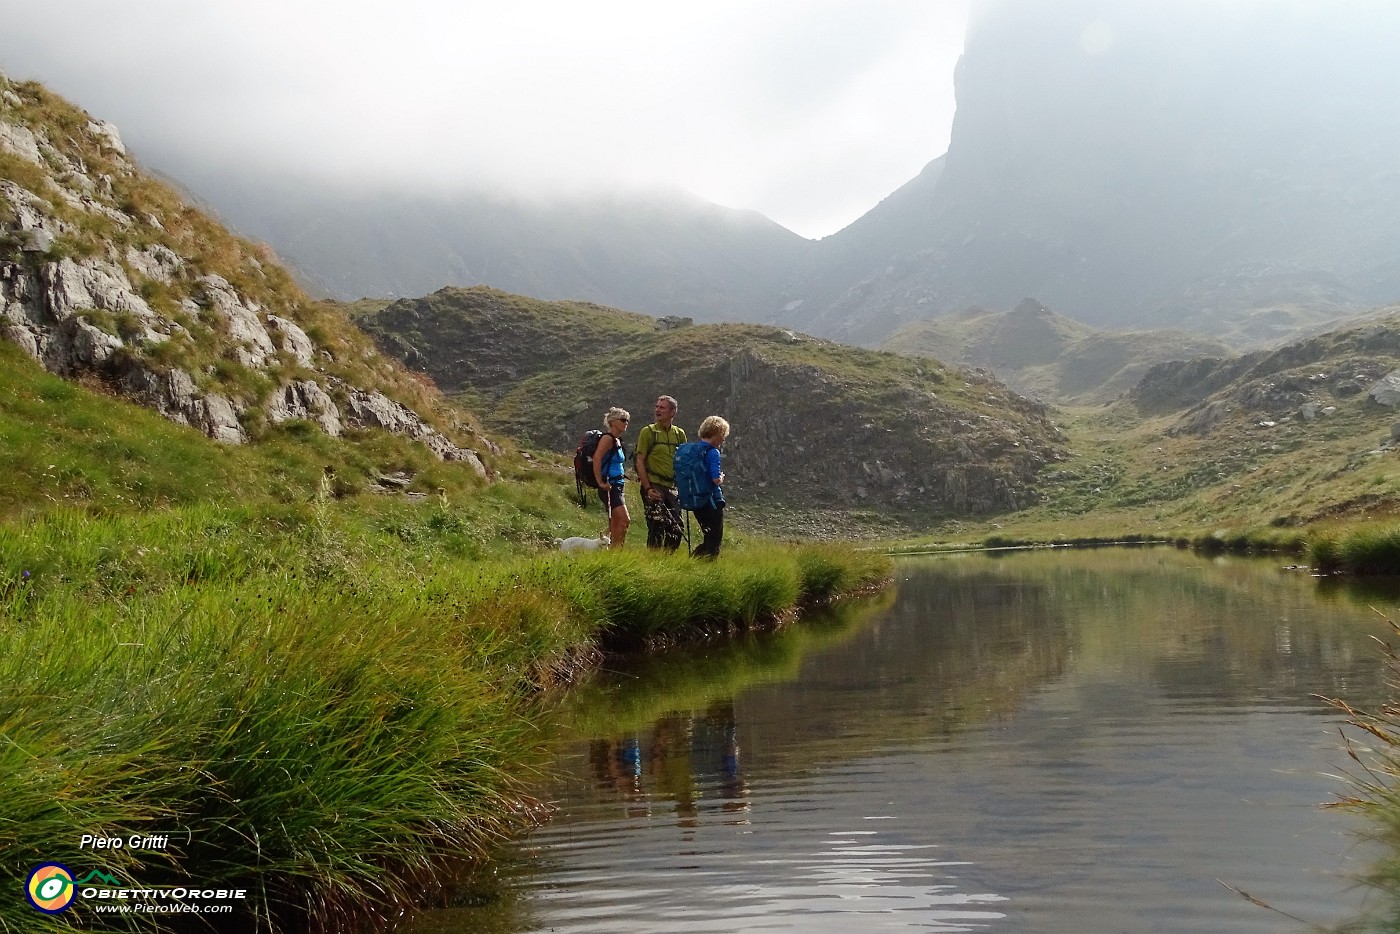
1374	788
1366	550
320	701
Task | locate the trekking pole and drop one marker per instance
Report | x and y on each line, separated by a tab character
688	552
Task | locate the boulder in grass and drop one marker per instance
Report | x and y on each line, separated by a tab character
1386	390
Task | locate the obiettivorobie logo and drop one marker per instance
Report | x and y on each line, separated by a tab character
52	888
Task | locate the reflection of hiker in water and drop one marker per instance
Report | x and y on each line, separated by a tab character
669	763
688	758
617	769
717	748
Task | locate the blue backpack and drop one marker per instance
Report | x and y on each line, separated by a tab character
694	488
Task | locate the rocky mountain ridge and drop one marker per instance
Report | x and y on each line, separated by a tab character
1352	371
1047	356
106	275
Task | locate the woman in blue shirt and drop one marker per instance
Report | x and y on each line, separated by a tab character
609	461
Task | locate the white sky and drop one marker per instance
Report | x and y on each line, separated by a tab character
809	111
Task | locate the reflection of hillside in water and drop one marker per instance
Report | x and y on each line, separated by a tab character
940	660
1217	629
968	640
943	659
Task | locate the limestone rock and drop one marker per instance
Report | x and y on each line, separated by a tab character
156	262
1386	390
305	399
88	347
70	286
217	418
21	142
245	327
107	135
31	212
174	395
294	340
36	241
376	410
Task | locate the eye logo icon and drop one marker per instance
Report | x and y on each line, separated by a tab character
50	887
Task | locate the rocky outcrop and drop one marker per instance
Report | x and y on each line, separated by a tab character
83	261
1350	367
376	410
294	341
305	399
252	345
174	395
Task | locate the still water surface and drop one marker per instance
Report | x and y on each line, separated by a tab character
1043	742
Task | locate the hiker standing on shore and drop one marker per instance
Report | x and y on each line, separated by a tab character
656	472
609	463
713	432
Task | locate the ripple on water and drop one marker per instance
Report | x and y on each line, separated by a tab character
787	858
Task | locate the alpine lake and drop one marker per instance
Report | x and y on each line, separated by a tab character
1107	740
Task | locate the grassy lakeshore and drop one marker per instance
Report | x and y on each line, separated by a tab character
1326	495
318	701
1363	549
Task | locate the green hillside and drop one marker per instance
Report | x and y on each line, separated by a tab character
1284	445
823	428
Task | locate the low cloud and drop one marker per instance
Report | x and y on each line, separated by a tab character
809	112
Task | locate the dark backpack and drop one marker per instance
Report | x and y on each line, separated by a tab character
694	488
583	462
583	457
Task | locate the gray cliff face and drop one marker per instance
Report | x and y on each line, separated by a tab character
81	270
1224	169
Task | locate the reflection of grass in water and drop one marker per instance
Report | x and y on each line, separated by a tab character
612	703
1360	592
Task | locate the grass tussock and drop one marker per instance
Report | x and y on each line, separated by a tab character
320	701
1365	550
1375	788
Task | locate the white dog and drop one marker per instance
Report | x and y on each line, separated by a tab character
583	544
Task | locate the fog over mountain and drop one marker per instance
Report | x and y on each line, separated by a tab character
661	250
1225	167
1228	168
